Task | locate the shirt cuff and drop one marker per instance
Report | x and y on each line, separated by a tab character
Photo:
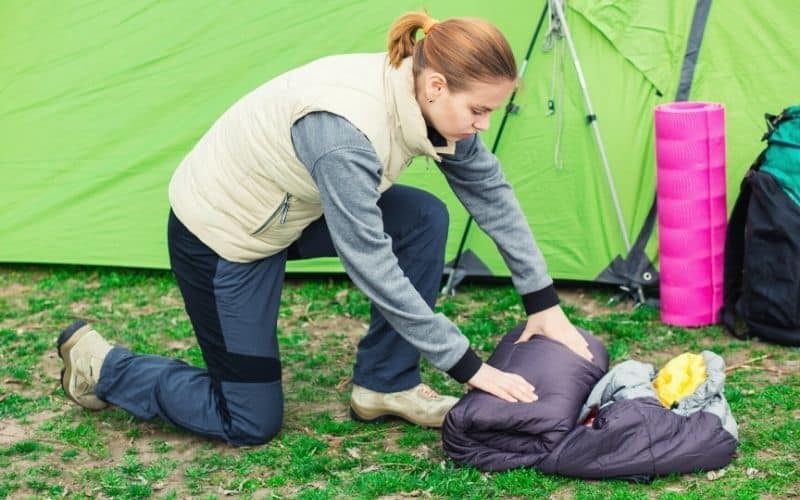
540	300
466	367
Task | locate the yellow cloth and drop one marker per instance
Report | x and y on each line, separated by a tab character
681	376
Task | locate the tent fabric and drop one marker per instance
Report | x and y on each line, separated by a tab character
588	423
648	35
99	102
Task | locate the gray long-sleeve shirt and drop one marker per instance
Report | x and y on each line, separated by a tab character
347	171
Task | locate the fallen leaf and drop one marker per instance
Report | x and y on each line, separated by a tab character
713	475
343	383
354	452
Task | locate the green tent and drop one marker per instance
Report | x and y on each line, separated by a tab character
99	101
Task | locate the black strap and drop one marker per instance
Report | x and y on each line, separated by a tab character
646	231
773	121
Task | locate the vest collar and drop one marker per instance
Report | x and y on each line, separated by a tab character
408	116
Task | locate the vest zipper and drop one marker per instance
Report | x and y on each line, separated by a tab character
282	210
285	207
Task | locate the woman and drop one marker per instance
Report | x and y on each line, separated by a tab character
303	167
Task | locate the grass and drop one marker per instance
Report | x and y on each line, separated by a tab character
50	447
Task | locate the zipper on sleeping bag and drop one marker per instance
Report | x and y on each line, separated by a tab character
282	211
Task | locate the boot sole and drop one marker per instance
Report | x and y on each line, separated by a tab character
66	341
379	419
387	417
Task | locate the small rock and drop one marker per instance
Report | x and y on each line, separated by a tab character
421	452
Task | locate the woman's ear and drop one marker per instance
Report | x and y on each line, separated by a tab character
435	85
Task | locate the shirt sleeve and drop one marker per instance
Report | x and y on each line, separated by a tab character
347	172
474	174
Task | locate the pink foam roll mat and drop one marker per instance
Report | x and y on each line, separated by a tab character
678	305
693	213
703	181
687	270
692	210
691	243
692	154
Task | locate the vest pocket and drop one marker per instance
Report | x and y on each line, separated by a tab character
279	215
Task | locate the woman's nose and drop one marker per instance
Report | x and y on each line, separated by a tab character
482	123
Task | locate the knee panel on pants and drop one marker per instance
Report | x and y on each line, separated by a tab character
254	411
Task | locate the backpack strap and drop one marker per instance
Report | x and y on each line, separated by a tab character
774	120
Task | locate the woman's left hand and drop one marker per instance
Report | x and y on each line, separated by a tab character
553	323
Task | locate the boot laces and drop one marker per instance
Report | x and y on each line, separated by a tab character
426	391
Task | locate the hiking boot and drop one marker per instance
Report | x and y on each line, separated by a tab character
83	351
419	405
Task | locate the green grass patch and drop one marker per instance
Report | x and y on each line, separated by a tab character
62	449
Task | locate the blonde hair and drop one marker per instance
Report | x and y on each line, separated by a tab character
464	50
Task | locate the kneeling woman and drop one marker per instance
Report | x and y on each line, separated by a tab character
303	167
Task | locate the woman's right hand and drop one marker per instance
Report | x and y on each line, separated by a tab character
506	386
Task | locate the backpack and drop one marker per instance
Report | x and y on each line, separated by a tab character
762	245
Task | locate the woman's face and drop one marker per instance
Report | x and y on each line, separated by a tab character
458	115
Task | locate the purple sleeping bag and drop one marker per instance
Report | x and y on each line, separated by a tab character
494	435
632	436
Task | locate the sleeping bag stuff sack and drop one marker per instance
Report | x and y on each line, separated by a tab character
634	437
588	423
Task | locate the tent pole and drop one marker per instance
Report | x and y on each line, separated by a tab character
592	119
510	108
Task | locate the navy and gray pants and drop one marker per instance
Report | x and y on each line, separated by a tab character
233	308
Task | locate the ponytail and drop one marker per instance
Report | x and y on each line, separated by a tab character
403	35
464	50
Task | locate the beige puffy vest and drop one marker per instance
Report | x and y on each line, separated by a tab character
242	191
